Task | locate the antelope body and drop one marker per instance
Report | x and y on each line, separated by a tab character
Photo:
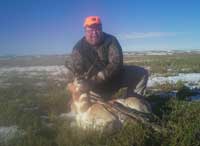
90	114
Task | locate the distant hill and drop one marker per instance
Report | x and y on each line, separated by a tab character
49	60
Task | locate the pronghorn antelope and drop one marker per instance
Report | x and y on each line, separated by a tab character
91	113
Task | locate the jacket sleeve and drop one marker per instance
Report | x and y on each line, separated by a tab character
84	60
75	61
115	59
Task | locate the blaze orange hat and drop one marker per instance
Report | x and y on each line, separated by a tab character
90	20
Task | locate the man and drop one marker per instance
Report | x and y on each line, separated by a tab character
98	56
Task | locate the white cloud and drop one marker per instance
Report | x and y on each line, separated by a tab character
142	35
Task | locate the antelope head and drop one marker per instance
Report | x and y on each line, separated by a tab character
80	99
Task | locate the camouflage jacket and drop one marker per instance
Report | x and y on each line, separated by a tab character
107	57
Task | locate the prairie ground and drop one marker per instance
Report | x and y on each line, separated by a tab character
32	98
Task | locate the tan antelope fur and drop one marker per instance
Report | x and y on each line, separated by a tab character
94	115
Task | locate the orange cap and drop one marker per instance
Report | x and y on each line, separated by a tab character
90	20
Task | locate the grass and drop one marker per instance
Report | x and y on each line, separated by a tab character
25	105
168	64
184	120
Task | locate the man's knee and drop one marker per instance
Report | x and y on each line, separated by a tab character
142	84
145	74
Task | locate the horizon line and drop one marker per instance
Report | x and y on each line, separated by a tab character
124	51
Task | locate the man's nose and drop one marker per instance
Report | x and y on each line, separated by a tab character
94	32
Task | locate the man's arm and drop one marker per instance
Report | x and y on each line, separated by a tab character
84	61
75	61
115	58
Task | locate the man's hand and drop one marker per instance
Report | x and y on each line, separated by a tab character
100	77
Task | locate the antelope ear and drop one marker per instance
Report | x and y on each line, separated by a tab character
70	87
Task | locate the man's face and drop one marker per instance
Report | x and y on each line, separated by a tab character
93	34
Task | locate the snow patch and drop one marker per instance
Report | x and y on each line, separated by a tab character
7	133
189	78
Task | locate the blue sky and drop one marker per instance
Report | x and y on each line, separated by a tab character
54	26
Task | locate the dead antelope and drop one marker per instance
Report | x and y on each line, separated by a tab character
92	112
